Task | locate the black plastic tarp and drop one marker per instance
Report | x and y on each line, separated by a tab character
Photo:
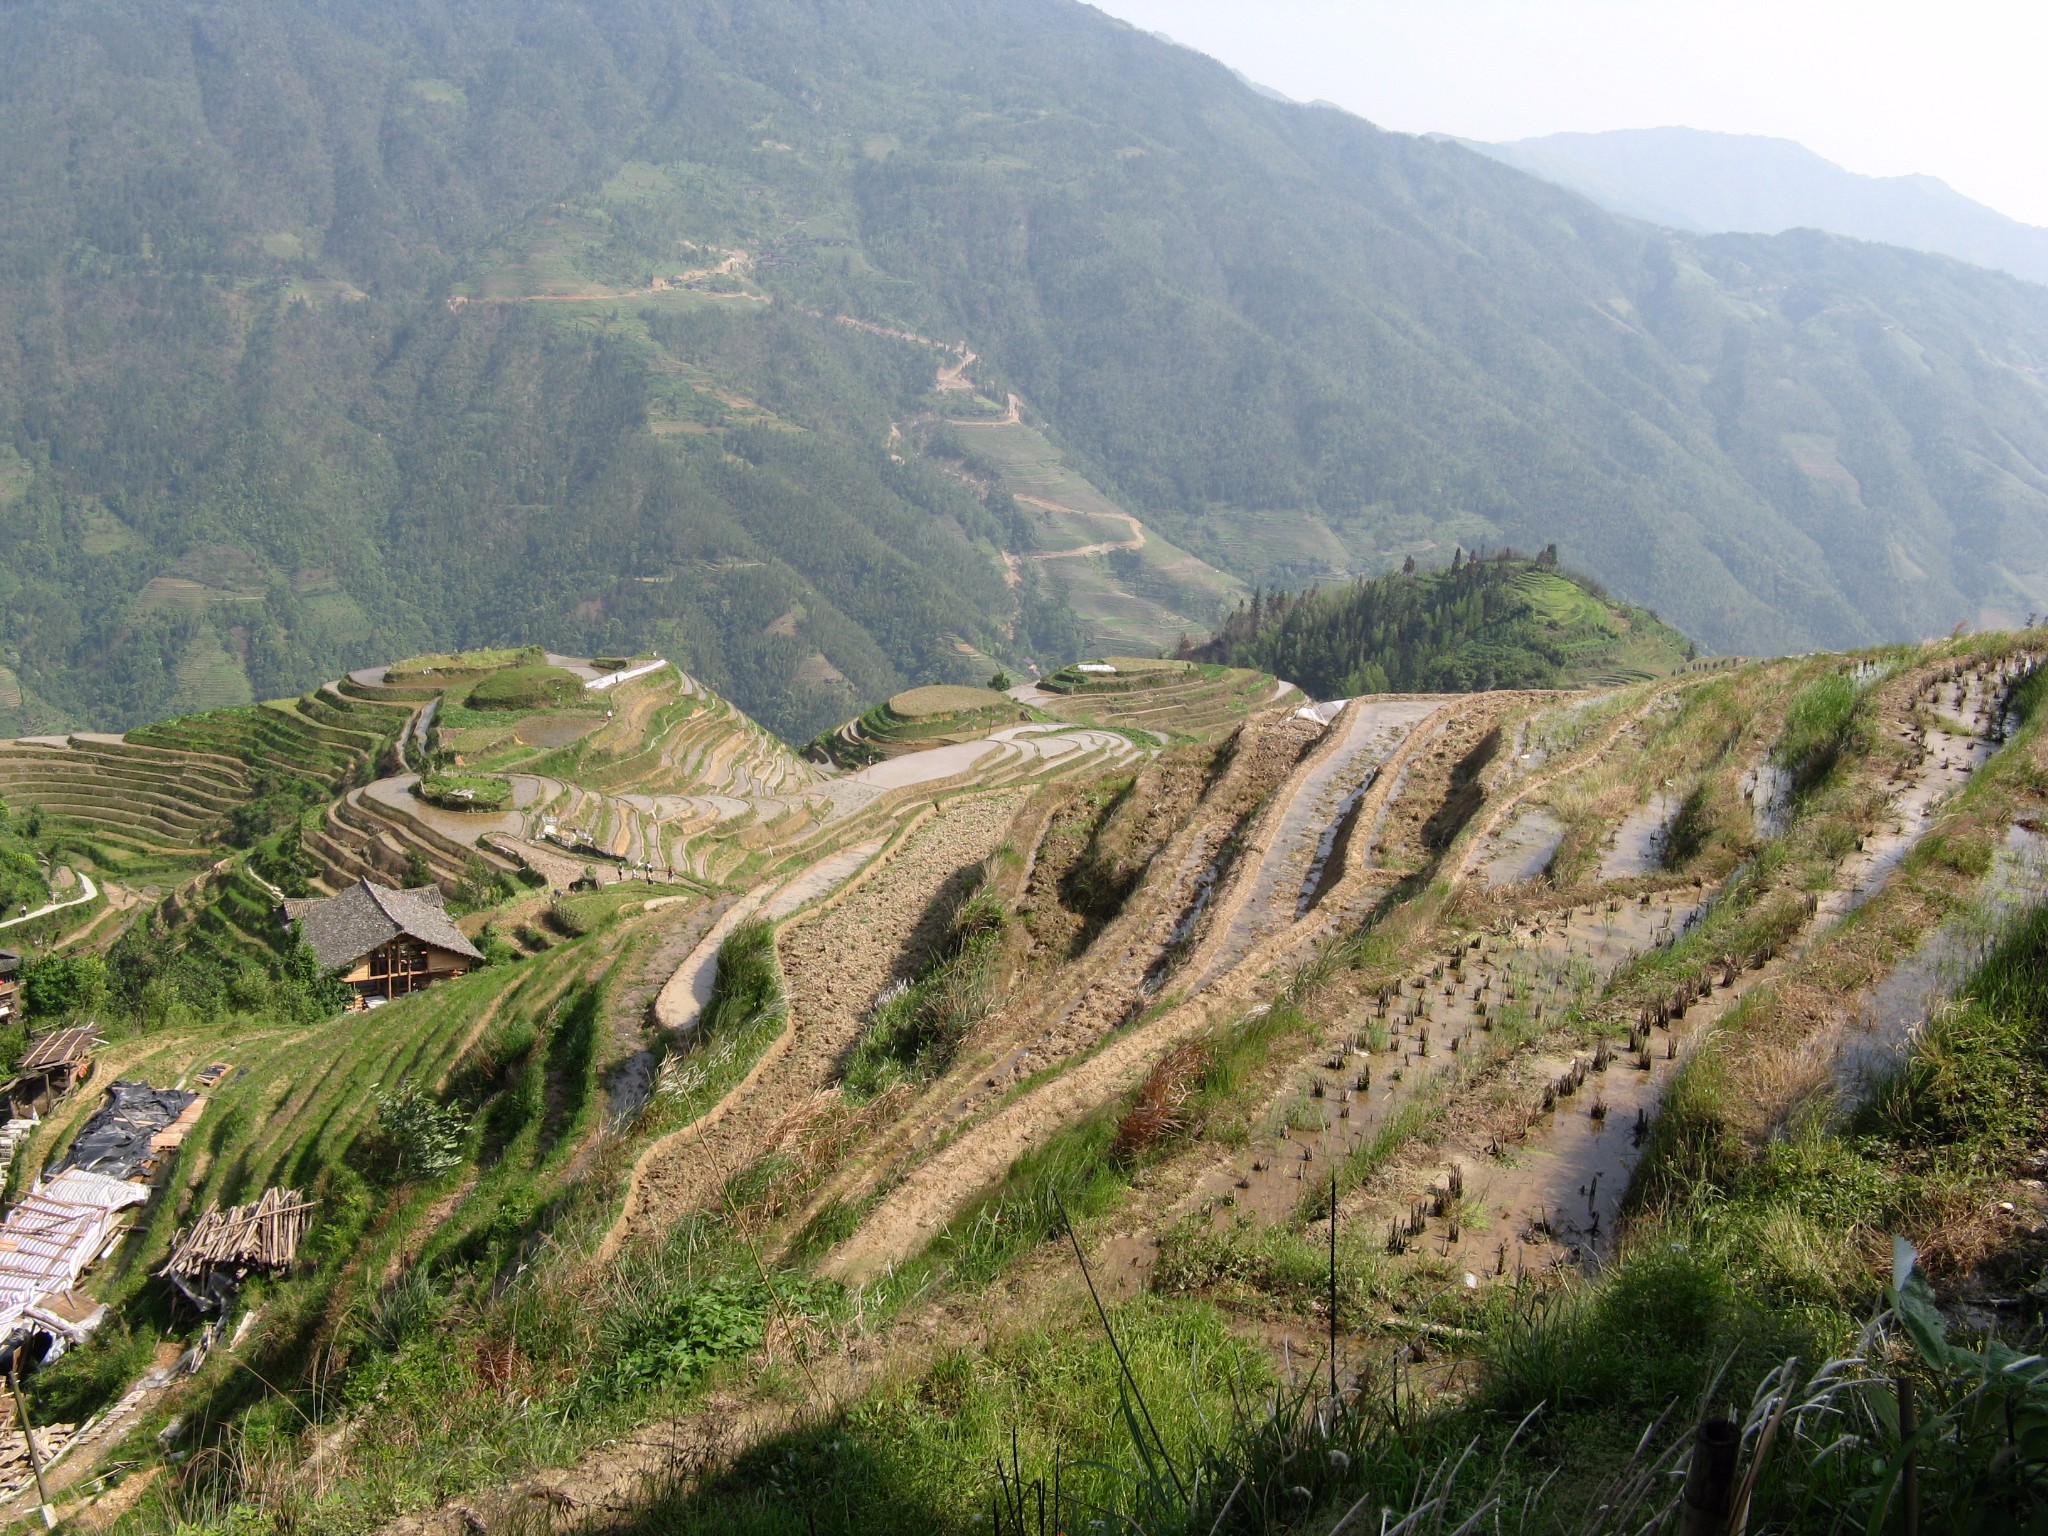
115	1141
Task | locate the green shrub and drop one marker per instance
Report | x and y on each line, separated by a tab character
65	983
21	876
425	1138
667	1335
569	919
284	862
745	1015
466	791
275	804
400	1311
496	948
1976	1079
419	870
916	1029
748	987
481	886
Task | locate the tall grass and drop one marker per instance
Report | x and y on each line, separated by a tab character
1823	723
916	1029
1975	1086
1072	1173
747	1010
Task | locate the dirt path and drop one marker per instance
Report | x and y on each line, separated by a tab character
121	902
953	376
45	910
1011	417
835	962
1135	541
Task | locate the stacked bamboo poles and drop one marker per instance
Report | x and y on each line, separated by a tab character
264	1235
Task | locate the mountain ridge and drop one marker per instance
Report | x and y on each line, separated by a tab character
1719	183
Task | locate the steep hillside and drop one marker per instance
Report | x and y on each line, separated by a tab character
836	349
1061	1113
1498	622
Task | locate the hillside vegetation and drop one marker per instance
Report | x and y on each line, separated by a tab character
1503	622
22	883
836	350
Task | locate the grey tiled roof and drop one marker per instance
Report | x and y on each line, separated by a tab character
342	929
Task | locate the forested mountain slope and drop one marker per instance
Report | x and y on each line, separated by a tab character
329	330
1500	622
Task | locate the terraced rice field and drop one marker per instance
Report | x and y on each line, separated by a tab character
1455	952
838	961
671	763
1469	1038
918	720
152	802
1171	699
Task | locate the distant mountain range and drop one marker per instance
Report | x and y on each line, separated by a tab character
832	349
1737	183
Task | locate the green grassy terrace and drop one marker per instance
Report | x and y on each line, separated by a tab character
1180	697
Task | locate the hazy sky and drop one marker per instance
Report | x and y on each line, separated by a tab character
1951	88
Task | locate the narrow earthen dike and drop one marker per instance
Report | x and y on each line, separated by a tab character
836	959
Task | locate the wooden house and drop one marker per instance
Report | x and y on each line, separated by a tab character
50	1068
10	984
385	942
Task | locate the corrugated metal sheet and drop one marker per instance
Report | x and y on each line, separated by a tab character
53	1235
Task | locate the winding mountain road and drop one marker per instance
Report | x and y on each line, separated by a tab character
91	891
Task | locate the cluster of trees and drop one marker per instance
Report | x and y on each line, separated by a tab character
1474	624
148	981
21	865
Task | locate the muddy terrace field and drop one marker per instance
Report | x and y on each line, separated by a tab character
1380	1048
